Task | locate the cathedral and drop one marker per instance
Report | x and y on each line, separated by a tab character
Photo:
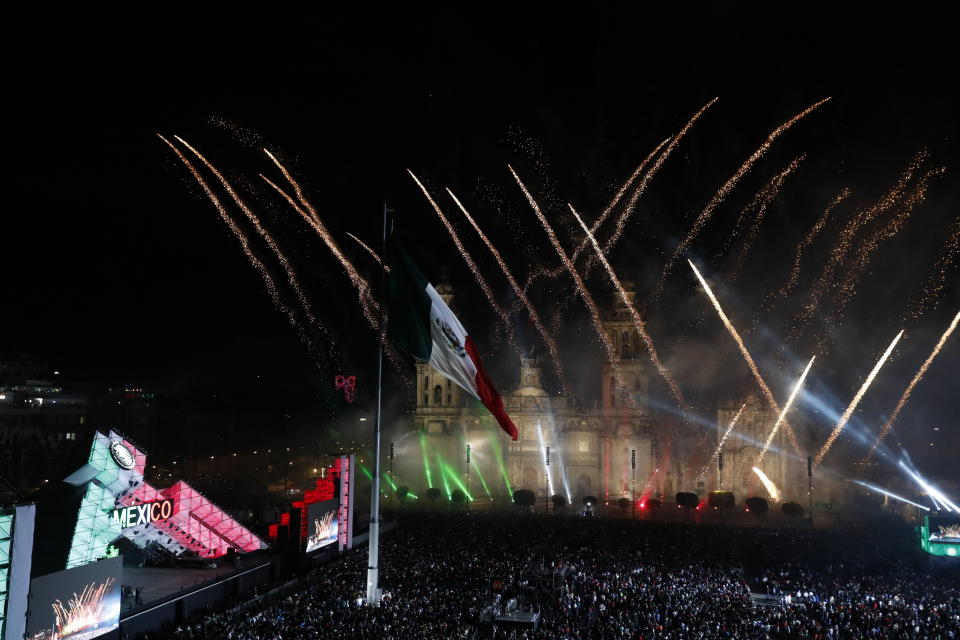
611	451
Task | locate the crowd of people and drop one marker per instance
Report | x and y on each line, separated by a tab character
596	578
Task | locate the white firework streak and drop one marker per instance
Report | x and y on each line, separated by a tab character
768	484
856	400
746	356
913	383
783	413
637	320
720	444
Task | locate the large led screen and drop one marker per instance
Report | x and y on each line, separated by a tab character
944	529
76	604
321	524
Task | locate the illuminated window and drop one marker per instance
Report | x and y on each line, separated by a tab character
583	446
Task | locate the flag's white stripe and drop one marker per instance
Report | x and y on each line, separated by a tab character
449	355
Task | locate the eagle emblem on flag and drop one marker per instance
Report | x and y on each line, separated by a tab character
451	337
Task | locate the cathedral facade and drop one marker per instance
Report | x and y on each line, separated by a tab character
609	451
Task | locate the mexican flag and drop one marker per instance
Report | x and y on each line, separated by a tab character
421	324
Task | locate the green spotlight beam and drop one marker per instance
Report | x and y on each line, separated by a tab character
443	476
426	460
476	468
498	453
455	477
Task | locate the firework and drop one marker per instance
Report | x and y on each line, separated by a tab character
309	214
768	484
616	198
487	291
267	238
853	403
373	254
83	611
845	239
727	187
241	237
642	187
720	444
807	239
846	288
522	296
759	205
368	305
581	286
786	408
637	320
938	277
913	383
746	356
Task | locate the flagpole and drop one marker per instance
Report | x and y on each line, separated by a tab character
373	559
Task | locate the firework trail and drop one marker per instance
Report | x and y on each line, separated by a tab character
637	320
581	286
487	291
746	356
619	196
768	484
373	254
534	316
913	383
268	281
938	278
808	239
368	305
267	237
720	444
759	205
727	187
783	413
642	187
83	611
847	288
853	403
553	273
844	242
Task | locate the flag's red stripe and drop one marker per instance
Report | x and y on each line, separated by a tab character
488	393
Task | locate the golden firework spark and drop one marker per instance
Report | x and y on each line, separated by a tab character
725	190
484	286
868	248
845	241
853	403
938	277
746	356
913	383
292	278
783	413
611	354
759	206
642	187
534	316
241	237
373	254
808	239
619	196
638	323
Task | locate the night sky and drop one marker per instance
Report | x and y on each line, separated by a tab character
118	270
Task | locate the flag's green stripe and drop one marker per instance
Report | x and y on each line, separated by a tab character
408	305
